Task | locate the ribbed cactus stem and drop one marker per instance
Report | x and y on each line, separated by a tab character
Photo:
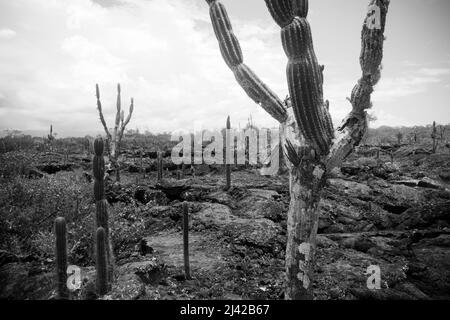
61	257
230	146
232	54
101	264
187	269
100	201
305	78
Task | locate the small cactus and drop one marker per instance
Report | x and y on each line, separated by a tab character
101	262
187	269
61	257
227	164
142	163
160	166
434	136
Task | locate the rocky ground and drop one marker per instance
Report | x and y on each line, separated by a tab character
374	212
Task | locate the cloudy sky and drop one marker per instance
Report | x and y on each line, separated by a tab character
165	55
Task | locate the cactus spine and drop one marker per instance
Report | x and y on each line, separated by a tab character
100	201
120	123
313	147
101	264
227	160
187	269
61	257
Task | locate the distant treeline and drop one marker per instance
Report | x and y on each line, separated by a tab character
134	140
418	134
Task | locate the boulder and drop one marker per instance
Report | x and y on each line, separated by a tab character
145	195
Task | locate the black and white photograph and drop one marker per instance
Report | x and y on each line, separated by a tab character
215	157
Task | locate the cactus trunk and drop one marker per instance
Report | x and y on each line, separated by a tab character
61	257
187	269
306	183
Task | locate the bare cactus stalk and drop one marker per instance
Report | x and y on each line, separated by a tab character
312	146
51	138
442	133
61	257
187	269
229	145
160	166
101	264
114	140
142	164
434	137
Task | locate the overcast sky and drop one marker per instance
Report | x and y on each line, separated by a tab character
165	55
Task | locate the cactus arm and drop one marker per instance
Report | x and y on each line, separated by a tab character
354	126
232	54
304	74
100	112
127	120
115	138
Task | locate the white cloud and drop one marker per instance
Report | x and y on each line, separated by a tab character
7	34
402	86
165	55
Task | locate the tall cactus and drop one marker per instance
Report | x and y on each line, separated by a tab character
120	123
100	201
310	143
101	262
187	268
229	145
61	257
